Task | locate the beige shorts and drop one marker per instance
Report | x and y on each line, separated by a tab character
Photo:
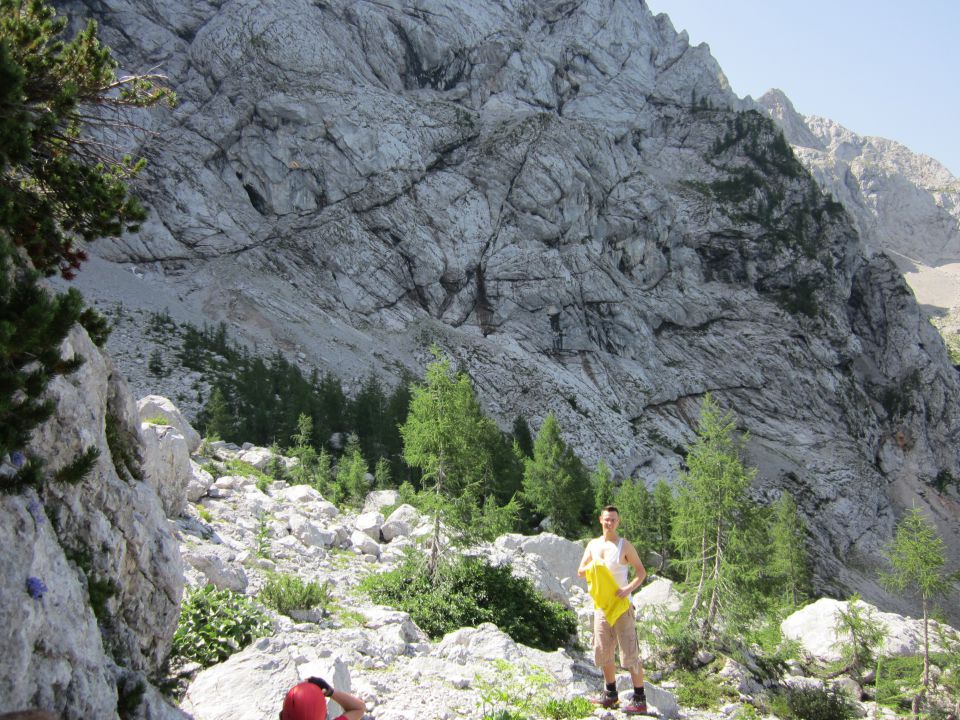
623	633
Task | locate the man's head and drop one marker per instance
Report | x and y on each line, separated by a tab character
609	517
305	701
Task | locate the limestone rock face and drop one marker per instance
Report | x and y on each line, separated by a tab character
571	202
91	572
902	203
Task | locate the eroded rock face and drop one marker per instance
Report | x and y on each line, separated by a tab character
356	181
91	572
903	203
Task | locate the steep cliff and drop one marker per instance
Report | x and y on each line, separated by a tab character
355	180
902	203
91	572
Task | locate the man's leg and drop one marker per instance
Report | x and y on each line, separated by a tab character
604	642
626	632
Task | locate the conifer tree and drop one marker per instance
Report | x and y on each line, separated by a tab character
58	186
603	490
662	520
789	564
710	495
635	504
555	483
220	421
917	558
443	437
352	472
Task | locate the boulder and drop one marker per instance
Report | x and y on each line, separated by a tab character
815	628
405	513
370	524
657	595
309	533
393	529
153	407
380	499
198	483
300	494
258	457
218	566
167	466
484	642
364	544
251	684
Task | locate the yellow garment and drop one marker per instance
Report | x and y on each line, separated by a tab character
603	589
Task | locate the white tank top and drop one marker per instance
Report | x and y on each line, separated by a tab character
619	570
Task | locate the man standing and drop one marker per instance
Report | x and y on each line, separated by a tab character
616	555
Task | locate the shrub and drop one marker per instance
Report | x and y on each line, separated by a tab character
466	592
288	593
556	709
700	689
816	703
214	624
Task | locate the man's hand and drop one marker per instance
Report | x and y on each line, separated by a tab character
322	684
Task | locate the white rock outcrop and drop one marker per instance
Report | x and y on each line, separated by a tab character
92	573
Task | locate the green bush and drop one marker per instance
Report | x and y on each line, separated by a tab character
556	709
700	689
214	624
815	703
288	593
898	679
467	592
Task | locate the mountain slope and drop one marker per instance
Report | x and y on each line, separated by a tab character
354	181
903	203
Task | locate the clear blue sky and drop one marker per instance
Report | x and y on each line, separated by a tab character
877	67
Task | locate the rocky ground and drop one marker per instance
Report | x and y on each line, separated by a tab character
232	533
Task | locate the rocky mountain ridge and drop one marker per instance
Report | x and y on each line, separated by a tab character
903	203
356	181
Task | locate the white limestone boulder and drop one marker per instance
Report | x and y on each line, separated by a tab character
364	544
379	499
370	523
166	465
218	565
154	407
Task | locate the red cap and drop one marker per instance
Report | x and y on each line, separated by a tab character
305	701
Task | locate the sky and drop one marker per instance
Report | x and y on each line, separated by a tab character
877	67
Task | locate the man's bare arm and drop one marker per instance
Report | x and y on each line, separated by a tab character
586	560
633	558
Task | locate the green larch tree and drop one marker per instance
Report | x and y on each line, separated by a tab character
709	497
917	558
789	564
555	483
444	436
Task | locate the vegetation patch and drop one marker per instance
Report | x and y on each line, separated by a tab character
287	593
466	592
214	624
701	689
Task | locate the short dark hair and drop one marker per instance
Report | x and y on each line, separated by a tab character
609	508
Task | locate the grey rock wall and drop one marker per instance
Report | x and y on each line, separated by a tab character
91	572
351	182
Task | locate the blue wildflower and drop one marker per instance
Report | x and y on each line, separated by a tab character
36	588
18	459
36	509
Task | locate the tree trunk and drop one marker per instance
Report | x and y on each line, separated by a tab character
698	598
926	647
435	544
714	599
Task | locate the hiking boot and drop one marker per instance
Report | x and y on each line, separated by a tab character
606	701
636	707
